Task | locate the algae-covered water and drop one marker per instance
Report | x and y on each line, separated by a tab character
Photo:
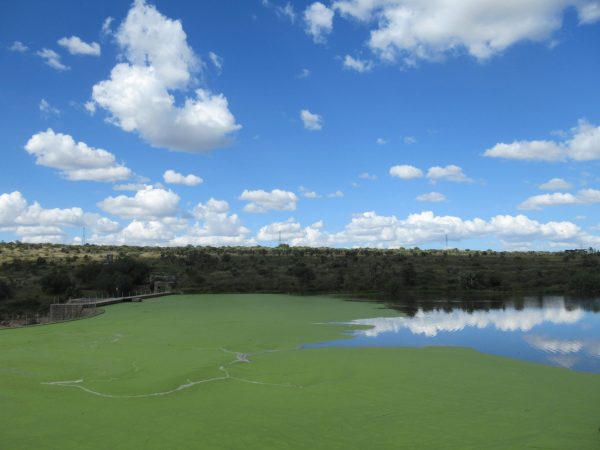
230	372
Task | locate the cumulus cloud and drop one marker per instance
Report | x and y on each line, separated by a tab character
582	144
76	46
262	201
381	141
358	65
449	173
406	172
131	187
555	184
292	233
215	226
410	31
144	232
139	94
172	177
33	223
76	160
307	193
149	203
583	197
336	194
52	59
311	121
372	230
431	197
318	19
19	47
409	140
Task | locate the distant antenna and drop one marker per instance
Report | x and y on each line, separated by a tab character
83	236
446	241
280	242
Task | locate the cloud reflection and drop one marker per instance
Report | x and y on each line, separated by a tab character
433	322
561	346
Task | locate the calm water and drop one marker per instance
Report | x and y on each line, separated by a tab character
548	330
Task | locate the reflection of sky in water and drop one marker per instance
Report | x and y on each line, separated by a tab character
550	331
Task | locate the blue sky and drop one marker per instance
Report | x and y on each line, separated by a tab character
384	123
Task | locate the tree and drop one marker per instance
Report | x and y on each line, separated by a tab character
6	291
56	283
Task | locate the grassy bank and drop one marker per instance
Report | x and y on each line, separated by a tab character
170	373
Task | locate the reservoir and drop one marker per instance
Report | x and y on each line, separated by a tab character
550	330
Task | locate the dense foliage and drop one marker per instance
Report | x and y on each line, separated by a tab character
38	274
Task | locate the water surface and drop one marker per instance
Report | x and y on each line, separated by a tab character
551	330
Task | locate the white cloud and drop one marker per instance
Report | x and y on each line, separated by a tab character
286	11
131	187
589	11
11	206
358	65
150	203
311	121
139	96
291	233
336	194
52	59
214	227
18	46
318	19
76	160
367	176
584	196
263	201
555	184
527	151
172	177
107	26
381	141
406	172
304	73
76	46
431	197
33	223
448	173
409	140
217	61
90	107
411	30
582	145
307	193
47	109
371	230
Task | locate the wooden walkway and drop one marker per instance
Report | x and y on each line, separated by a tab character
88	302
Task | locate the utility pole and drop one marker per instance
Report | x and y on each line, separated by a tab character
83	236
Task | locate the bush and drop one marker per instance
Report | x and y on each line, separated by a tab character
56	283
585	283
6	291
